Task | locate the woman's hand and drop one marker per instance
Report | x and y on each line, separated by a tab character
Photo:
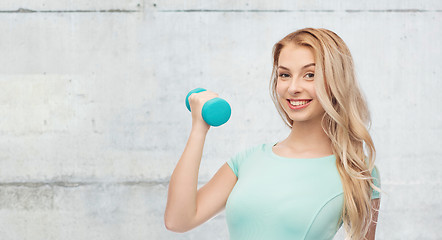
196	102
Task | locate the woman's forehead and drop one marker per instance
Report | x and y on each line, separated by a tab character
295	57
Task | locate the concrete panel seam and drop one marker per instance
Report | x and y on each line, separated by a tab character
25	10
34	184
302	10
241	10
70	184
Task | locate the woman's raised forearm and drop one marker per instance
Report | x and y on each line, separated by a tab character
183	186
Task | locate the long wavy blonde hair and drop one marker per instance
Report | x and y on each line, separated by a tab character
346	120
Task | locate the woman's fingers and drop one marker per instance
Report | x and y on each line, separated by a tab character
196	102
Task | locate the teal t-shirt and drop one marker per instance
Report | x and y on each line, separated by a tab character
284	198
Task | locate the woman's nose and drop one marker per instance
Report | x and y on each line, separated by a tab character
295	86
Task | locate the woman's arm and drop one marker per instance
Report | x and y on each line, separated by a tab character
186	206
372	228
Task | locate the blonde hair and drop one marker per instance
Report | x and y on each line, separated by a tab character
346	120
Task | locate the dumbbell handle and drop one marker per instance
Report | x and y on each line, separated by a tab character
215	112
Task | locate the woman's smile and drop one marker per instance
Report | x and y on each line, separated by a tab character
298	103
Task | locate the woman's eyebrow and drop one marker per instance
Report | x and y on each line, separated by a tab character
306	66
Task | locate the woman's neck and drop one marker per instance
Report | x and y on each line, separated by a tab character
308	138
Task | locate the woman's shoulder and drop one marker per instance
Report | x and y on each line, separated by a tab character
242	157
250	151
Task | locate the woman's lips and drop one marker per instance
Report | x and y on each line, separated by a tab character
300	103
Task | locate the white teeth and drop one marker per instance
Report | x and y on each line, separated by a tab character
298	103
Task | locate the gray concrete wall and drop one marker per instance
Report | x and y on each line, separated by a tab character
93	118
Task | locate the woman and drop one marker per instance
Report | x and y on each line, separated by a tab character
309	184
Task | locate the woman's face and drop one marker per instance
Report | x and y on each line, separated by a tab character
296	86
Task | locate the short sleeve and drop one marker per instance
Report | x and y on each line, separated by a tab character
376	182
233	164
237	160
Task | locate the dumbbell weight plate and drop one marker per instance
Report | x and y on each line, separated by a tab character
216	112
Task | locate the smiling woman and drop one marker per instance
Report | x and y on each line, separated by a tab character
296	85
305	186
342	114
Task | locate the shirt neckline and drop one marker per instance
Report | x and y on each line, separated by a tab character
269	151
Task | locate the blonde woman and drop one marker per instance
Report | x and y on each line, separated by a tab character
305	186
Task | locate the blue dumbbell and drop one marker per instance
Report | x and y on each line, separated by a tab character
215	112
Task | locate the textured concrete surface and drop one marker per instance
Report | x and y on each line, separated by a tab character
93	116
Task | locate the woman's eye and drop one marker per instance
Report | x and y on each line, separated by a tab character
310	75
284	75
